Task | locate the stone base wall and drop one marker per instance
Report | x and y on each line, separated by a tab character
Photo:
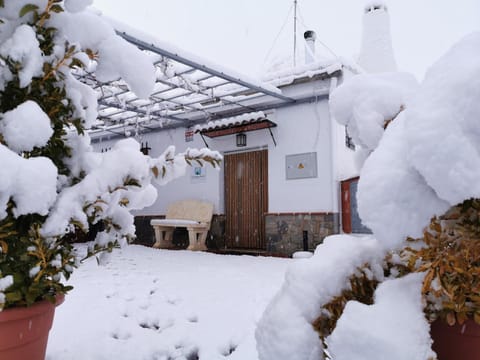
144	231
285	232
216	235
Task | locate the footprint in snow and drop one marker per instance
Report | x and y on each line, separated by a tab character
174	301
229	349
144	305
193	355
121	335
193	319
129	298
156	325
185	353
153	326
111	294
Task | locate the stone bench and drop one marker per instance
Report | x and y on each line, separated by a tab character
193	215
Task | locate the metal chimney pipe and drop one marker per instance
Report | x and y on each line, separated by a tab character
309	37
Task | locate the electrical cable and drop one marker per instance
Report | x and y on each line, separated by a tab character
302	22
278	35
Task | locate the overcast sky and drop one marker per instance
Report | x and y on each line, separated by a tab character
247	35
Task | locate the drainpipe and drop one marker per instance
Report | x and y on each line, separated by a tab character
334	158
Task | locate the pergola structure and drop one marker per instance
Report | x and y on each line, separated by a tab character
187	92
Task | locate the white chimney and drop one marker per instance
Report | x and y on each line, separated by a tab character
309	37
376	52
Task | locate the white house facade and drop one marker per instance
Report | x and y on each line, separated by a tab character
288	175
283	195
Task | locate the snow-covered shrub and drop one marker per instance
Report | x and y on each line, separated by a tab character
285	330
429	158
393	327
52	183
449	254
367	103
360	287
425	162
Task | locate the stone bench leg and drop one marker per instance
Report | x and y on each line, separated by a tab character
197	240
163	237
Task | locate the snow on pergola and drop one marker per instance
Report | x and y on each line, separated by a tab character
188	91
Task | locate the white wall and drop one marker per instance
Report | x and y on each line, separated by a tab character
346	163
186	187
301	128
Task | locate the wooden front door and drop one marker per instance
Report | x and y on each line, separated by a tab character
246	199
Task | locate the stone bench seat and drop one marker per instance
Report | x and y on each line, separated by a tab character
193	215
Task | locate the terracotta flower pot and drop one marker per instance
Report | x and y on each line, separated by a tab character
24	331
457	342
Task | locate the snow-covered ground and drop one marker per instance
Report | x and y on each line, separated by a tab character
158	304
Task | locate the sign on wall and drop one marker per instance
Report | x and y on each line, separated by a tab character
198	174
189	135
199	171
301	166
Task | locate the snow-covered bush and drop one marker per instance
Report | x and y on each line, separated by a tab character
52	183
367	103
449	255
286	329
423	164
429	158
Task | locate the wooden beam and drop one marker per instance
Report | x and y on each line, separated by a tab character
235	129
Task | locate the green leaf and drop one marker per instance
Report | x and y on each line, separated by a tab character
2	3
76	63
13	296
56	8
27	8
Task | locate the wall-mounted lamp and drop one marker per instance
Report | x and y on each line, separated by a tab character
145	149
241	140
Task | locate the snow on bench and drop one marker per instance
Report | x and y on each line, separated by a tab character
193	215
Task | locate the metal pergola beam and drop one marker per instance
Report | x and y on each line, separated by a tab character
137	110
181	100
150	47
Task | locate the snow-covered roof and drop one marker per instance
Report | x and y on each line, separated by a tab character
231	122
188	90
290	75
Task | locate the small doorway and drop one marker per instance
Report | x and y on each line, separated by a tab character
246	199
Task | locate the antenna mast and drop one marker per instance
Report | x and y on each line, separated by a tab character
295	33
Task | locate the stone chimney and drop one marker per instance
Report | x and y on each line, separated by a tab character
376	52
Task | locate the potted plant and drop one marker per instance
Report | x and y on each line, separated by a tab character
449	255
53	183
